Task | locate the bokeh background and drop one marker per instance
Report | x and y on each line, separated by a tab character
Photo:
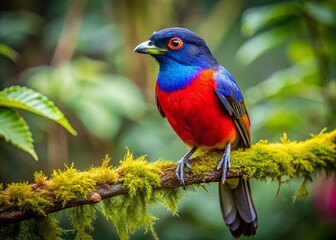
80	54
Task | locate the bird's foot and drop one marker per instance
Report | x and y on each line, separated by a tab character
180	170
183	162
224	164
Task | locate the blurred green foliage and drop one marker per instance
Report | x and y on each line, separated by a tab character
306	30
79	54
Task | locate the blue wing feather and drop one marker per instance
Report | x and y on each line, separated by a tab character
232	99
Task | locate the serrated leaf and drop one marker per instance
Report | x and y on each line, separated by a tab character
15	130
30	100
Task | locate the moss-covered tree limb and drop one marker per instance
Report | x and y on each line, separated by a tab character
70	187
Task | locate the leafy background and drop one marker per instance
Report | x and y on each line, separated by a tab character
79	53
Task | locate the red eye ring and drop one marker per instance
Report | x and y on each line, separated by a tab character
175	43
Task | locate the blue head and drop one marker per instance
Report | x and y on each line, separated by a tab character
181	55
178	46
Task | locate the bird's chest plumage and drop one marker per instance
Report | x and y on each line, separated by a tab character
196	113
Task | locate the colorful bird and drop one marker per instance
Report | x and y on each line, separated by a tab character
205	107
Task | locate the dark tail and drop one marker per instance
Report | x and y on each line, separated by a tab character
237	207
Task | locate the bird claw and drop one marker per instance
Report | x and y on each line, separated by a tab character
183	162
180	170
224	163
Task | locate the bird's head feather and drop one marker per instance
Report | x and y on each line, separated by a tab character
178	46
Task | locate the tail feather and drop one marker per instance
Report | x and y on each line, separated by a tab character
237	208
243	200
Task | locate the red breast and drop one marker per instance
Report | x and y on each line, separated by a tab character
197	115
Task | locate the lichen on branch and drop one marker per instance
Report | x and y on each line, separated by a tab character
127	191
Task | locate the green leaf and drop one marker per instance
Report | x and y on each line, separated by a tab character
15	130
8	52
30	100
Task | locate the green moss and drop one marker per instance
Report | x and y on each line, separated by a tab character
129	214
40	178
44	228
22	197
33	229
70	184
66	185
204	161
139	175
139	178
103	174
164	164
169	198
287	159
274	160
81	220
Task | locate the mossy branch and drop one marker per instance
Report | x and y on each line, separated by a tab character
72	188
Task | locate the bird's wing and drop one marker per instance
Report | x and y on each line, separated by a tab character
158	105
232	99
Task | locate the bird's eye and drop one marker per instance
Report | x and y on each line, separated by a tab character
175	43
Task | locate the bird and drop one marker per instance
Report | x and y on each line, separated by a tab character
205	107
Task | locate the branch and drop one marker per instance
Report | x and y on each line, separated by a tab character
277	160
